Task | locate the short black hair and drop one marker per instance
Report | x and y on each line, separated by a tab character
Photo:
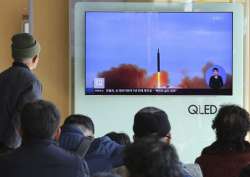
215	69
231	124
120	138
151	157
39	119
82	120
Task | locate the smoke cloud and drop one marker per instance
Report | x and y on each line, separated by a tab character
131	76
124	76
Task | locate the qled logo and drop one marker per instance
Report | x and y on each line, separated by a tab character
202	109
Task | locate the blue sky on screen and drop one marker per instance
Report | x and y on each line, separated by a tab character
187	41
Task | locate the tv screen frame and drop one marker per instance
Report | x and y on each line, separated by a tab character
118	111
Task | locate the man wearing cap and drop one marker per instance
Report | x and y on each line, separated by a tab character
152	121
18	86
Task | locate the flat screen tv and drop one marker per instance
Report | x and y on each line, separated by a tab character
158	53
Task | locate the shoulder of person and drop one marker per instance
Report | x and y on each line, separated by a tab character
106	145
24	74
193	170
73	161
211	149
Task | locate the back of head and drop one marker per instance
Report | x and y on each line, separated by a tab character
150	157
39	120
84	122
151	120
120	138
24	46
231	124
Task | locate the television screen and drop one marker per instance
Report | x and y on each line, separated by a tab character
158	53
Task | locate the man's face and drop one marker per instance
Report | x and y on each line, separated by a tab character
215	72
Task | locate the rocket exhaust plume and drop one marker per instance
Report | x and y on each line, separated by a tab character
158	69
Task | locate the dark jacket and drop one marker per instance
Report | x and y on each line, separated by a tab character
18	85
103	154
216	83
41	158
218	161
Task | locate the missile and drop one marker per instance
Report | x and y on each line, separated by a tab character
158	61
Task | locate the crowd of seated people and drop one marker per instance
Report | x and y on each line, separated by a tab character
71	150
33	144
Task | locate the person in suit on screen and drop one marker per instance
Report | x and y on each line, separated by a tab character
216	81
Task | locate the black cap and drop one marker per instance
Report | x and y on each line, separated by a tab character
151	120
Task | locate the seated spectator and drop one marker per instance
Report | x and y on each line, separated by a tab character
230	152
151	157
120	138
123	139
39	155
101	154
153	121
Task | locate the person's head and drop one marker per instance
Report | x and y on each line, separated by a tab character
215	71
245	172
25	49
105	174
150	157
151	121
231	124
40	120
85	123
120	138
